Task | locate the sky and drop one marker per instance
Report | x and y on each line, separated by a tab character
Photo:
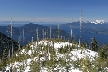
53	10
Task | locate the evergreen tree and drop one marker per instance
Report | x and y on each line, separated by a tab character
4	59
94	44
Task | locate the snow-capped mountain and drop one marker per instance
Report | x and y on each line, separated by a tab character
98	22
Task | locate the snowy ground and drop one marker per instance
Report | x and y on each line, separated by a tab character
74	55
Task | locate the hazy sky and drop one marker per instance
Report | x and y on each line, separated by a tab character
53	10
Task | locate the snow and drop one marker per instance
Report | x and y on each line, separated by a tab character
78	54
56	45
98	22
74	55
30	52
23	51
27	69
7	68
61	44
28	61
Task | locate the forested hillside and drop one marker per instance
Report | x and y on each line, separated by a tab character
57	55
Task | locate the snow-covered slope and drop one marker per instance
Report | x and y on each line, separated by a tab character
50	56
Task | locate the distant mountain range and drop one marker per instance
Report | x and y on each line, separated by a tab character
89	27
42	23
25	22
30	31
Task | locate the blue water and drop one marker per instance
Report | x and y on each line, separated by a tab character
86	36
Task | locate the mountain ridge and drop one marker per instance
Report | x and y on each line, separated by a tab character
6	45
30	31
